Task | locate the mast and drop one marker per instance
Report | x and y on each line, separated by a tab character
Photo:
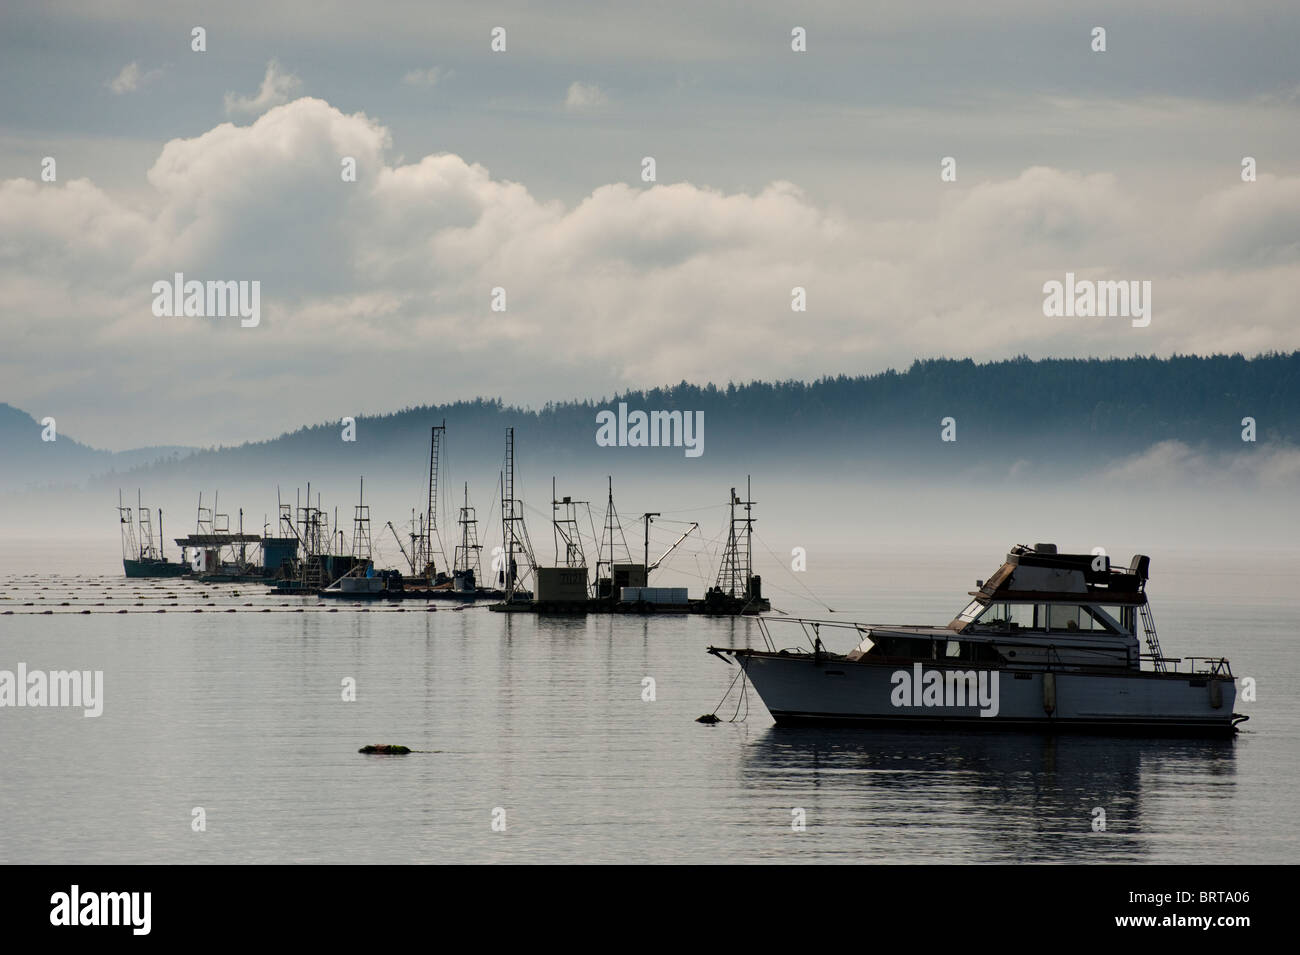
361	545
466	557
430	534
464	531
129	546
566	529
144	542
611	526
648	517
416	536
749	534
508	511
736	574
505	531
513	528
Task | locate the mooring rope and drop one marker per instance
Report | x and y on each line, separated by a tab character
744	697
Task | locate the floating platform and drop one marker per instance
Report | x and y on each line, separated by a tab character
428	593
731	607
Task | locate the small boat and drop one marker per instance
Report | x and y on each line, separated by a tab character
1050	643
140	556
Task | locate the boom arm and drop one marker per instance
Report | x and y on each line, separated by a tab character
664	555
390	526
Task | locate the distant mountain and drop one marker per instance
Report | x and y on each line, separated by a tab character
1066	415
27	462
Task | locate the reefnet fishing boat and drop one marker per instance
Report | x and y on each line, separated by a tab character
141	557
1049	643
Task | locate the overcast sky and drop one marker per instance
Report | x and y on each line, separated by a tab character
522	170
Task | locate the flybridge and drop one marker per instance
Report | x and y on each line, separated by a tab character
1040	572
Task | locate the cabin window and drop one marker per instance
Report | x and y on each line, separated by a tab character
971	651
905	648
1095	618
1023	616
1063	617
1005	616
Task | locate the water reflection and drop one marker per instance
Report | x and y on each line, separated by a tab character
993	797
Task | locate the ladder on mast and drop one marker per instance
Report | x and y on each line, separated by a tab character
431	533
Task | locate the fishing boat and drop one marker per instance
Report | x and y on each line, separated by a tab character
1049	643
215	553
141	557
738	589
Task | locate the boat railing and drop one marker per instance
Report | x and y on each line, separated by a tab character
1204	666
1211	666
811	628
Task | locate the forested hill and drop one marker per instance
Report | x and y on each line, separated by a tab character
1071	413
1076	412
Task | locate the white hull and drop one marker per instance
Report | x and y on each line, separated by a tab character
803	689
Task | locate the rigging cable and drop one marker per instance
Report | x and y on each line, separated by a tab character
781	563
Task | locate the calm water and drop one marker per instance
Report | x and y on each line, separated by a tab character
241	713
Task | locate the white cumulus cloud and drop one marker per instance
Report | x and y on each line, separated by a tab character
633	285
131	78
276	89
430	77
585	96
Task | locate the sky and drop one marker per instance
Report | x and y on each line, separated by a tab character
522	170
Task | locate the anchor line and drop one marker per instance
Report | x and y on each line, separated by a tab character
742	698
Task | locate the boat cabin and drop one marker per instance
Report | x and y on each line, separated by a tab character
1040	609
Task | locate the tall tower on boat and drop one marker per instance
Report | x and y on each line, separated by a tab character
429	548
566	529
514	534
615	574
466	564
361	545
736	583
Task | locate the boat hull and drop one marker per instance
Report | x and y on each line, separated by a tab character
802	690
153	568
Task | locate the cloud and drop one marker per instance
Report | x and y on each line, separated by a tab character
1169	464
277	87
583	96
430	77
131	79
636	284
